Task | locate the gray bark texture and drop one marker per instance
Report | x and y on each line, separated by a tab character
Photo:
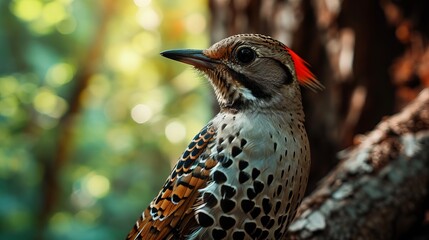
379	190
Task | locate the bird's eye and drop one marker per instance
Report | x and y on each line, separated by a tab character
245	55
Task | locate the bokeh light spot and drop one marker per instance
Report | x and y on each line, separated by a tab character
48	103
146	43
195	23
175	131
8	85
67	25
129	61
141	113
27	10
148	18
60	74
142	3
97	185
82	199
60	222
124	58
8	106
53	12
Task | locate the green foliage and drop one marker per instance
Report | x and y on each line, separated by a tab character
91	117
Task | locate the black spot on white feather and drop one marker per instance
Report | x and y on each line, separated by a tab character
290	195
266	205
279	189
242	164
278	232
227	191
264	234
227	205
238	235
256	233
258	186
218	233
265	220
235	151
226	222
255	173
209	199
277	207
243	142
204	219
270	179
243	177
219	177
251	194
247	205
270	224
249	227
227	162
255	212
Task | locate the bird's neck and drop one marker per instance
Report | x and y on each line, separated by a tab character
284	112
274	106
269	116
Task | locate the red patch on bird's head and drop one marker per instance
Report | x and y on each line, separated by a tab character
304	76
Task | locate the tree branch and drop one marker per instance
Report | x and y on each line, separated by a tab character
379	189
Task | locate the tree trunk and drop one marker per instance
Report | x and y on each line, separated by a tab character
380	189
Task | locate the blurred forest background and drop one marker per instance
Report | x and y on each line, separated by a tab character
92	118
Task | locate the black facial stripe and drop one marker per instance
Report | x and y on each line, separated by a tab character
255	88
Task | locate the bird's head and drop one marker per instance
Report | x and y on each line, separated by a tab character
251	71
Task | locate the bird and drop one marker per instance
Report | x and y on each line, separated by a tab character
245	173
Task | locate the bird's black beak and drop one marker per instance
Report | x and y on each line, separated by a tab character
195	58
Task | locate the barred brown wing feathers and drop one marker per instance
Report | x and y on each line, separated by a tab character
172	209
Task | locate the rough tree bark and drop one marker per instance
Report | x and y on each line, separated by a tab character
380	188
